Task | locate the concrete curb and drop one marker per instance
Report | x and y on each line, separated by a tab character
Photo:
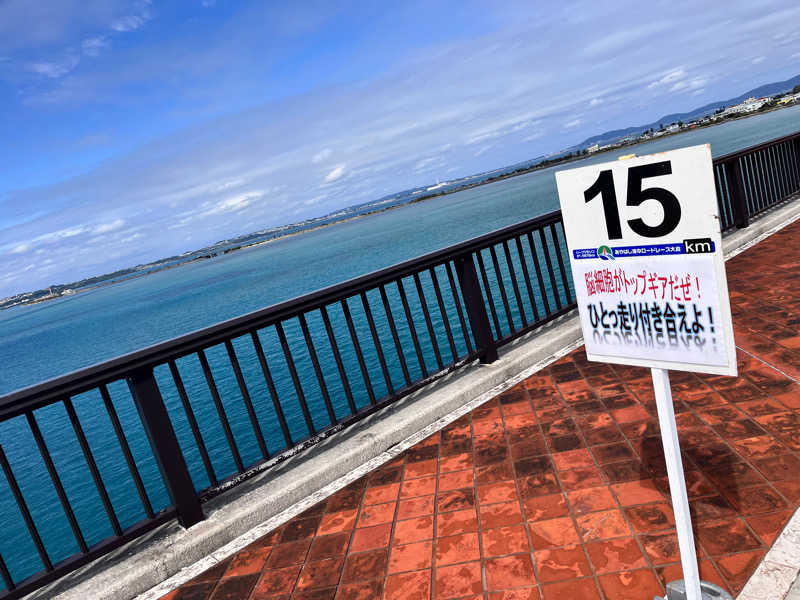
170	555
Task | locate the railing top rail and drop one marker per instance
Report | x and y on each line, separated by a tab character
76	382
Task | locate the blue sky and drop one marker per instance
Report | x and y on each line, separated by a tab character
134	130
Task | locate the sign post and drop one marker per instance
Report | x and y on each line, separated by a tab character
646	258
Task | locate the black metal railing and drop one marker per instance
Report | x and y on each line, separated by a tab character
136	441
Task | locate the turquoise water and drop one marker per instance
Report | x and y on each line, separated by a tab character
46	340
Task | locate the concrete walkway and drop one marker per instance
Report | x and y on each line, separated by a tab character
557	487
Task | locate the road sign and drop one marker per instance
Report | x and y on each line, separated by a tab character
646	257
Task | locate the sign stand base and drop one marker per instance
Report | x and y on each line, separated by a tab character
677	483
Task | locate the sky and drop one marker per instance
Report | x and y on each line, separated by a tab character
132	130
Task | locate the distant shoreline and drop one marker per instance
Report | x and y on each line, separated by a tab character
522	171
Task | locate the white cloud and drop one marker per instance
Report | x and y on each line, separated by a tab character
232	204
595	101
573	124
128	23
322	155
109	227
484	150
758	60
671	77
337	173
21	248
93	46
56	68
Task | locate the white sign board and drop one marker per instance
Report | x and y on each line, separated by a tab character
646	256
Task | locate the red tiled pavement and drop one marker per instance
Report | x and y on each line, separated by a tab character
557	487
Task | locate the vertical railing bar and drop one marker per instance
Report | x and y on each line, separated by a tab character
456	300
23	508
95	472
376	340
489	296
513	274
786	172
503	296
762	186
298	388
767	171
226	426
5	575
539	278
560	258
312	352
752	187
411	327
550	271
357	346
276	404
126	451
526	276
248	402
776	172
428	323
51	469
448	331
772	175
783	165
398	347
198	437
338	357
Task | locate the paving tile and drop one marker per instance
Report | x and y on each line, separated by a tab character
541	508
455	581
500	515
591	500
365	566
553	533
320	574
505	540
630	585
457	548
615	555
460	521
509	572
602	525
725	537
413	530
454	500
411	557
585	589
408	586
557	564
370	538
648	518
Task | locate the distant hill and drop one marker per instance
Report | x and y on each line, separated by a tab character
764	90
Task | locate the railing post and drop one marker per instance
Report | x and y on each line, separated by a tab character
476	309
734	175
166	449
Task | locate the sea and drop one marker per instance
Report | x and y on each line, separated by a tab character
48	339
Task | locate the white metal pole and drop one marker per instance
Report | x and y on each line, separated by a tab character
677	483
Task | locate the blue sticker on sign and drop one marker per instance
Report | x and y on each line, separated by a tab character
694	246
